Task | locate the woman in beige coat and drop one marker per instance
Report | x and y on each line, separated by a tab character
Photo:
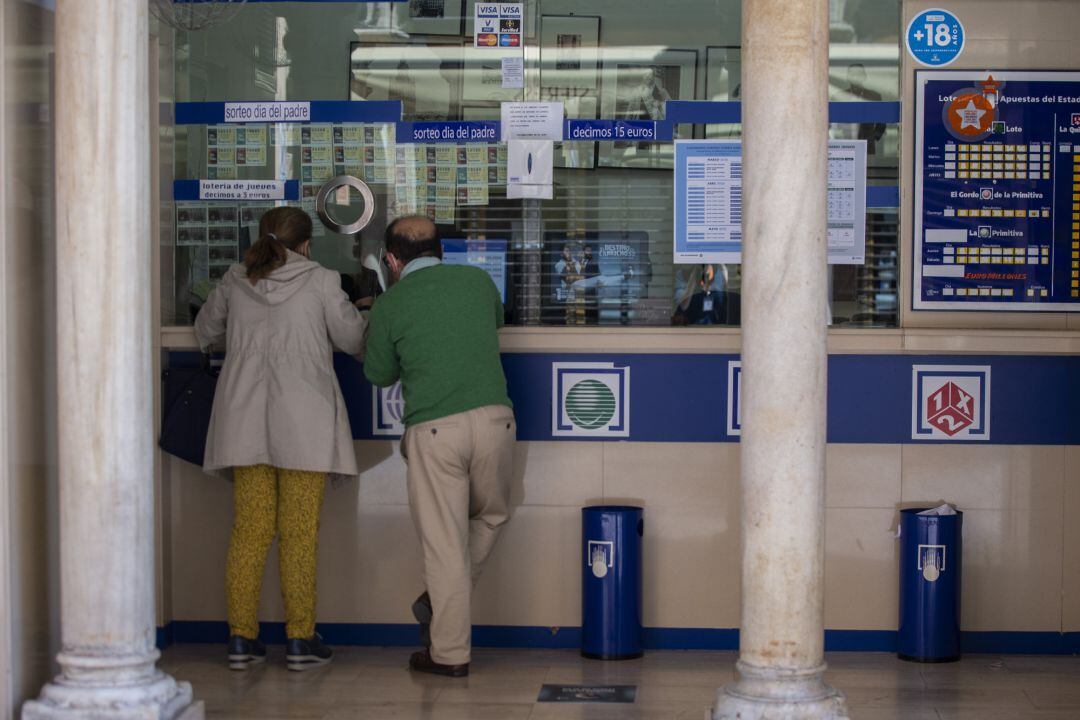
279	423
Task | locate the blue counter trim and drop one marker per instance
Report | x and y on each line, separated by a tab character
165	636
512	636
1035	399
702	112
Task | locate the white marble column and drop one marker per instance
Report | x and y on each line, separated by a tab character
785	135
108	654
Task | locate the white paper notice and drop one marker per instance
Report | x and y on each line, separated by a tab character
709	203
529	162
529	192
529	172
513	72
847	202
532	121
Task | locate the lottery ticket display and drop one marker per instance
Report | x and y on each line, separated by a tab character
997	191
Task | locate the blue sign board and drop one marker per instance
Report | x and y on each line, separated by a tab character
189	190
997	191
314	111
488	255
477	131
633	130
935	37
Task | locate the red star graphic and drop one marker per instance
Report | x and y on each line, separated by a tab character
991	85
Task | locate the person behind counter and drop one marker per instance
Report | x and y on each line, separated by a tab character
459	426
278	423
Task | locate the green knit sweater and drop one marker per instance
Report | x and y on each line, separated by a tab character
436	331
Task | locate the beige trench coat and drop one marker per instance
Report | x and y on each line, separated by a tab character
278	401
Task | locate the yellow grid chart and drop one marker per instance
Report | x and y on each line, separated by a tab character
1076	227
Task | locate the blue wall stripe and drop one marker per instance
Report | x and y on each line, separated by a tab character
700	112
509	636
322	111
691	638
187	190
1035	399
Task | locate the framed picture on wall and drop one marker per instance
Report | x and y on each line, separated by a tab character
570	53
433	17
636	83
723	83
425	78
570	74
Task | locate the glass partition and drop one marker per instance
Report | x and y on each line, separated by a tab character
600	252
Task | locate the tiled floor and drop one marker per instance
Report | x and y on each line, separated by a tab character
372	683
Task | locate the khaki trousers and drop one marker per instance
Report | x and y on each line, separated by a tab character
459	474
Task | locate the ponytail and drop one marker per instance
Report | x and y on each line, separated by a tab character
264	257
280	230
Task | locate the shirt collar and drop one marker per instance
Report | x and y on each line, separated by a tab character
419	264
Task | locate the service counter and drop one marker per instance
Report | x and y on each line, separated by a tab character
1012	464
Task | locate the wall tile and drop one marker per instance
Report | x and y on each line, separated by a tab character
987	477
862	476
1071	560
678	475
861	571
1012	570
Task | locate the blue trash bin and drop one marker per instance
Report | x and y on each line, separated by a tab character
931	555
611	582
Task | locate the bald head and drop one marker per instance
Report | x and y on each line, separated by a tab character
411	237
413	228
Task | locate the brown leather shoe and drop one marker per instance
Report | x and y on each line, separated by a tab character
421	662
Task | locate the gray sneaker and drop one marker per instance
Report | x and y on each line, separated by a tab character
305	654
244	653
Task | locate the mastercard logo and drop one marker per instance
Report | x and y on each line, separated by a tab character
487	40
510	41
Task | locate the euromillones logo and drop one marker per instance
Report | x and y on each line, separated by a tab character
590	399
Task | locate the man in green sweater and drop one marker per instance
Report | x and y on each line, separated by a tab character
436	330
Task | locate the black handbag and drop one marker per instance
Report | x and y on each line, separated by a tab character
189	400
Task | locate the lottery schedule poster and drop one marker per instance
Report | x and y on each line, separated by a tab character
997	191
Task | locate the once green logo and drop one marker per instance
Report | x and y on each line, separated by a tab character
590	404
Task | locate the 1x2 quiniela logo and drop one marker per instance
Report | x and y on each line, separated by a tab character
590	400
950	402
387	411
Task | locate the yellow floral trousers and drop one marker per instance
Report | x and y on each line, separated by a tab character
271	501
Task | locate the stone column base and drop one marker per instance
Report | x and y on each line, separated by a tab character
779	694
160	698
